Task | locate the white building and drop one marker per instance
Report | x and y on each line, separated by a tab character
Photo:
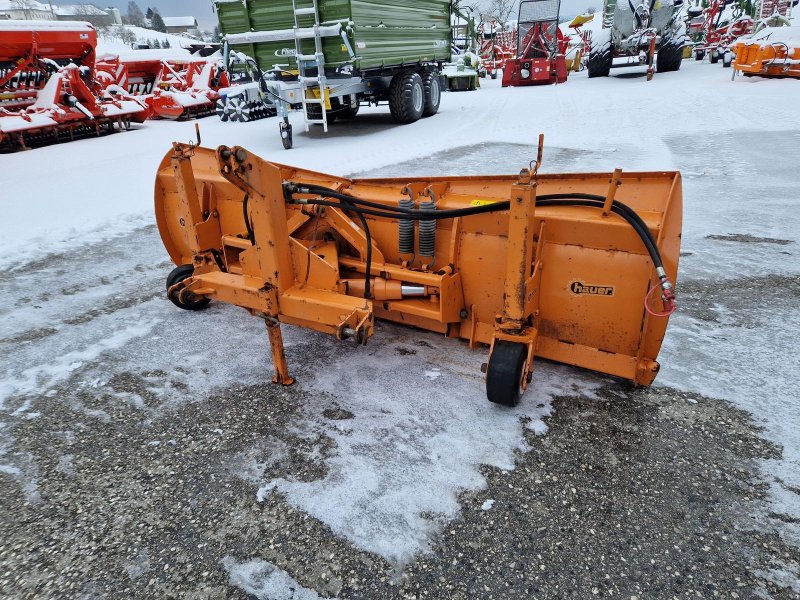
181	25
26	10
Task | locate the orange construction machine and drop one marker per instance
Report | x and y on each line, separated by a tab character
772	52
575	268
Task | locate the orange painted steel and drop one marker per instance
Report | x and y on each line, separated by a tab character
768	58
566	282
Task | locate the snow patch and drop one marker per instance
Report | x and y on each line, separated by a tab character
265	581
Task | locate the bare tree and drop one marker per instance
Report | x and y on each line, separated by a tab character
501	11
135	14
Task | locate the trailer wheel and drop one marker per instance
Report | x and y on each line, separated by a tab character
504	373
713	58
433	93
670	55
350	106
191	301
406	97
601	54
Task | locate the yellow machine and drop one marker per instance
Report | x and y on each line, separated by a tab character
531	265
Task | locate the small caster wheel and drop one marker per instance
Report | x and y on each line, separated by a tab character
190	301
504	372
286	135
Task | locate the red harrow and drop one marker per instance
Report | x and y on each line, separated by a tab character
174	88
48	88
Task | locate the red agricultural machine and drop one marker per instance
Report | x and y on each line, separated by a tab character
496	46
540	46
174	88
714	29
48	86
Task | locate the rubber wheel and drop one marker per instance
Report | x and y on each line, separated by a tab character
727	59
670	55
601	54
504	373
177	275
494	75
349	109
406	97
699	54
286	135
713	58
433	93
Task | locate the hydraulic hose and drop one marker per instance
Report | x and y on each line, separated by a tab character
367	207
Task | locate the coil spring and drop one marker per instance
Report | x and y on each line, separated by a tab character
427	231
406	228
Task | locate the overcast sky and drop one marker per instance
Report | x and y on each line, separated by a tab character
204	13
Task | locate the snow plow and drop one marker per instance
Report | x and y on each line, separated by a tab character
48	86
540	46
567	267
772	52
174	88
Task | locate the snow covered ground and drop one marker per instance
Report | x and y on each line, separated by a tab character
418	436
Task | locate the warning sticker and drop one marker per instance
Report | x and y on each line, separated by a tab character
481	202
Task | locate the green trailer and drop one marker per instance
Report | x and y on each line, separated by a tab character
328	57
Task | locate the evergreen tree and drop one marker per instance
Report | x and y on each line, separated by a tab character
149	13
157	23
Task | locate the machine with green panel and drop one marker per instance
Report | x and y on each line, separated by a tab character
328	57
380	33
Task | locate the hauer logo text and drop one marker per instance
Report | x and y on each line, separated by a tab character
578	287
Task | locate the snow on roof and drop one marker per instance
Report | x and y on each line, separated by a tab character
16	24
27	5
180	21
68	10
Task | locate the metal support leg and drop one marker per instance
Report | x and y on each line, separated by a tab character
278	354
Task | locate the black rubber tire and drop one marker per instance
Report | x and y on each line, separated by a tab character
433	93
177	275
713	58
286	140
699	54
504	373
727	59
670	55
314	111
349	110
601	54
406	97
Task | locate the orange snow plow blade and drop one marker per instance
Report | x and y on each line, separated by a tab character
574	268
775	54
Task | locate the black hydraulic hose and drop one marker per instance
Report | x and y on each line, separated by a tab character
368	236
250	235
565	199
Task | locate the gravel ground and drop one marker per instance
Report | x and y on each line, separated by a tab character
646	493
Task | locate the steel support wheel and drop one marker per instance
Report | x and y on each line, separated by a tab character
505	371
190	301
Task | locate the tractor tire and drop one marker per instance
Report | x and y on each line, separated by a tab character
601	54
406	97
504	372
433	93
190	302
670	55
